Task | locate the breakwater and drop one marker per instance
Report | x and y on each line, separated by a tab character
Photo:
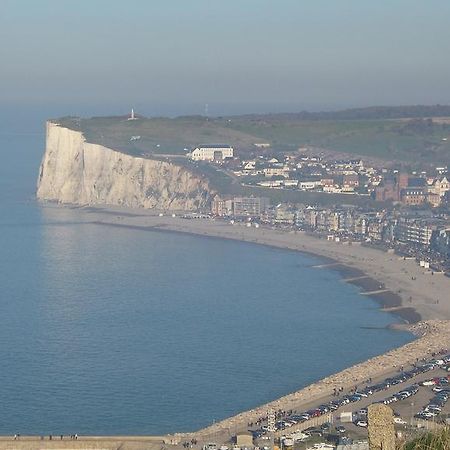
433	337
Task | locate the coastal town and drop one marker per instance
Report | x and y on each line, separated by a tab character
306	171
225	225
408	212
394	251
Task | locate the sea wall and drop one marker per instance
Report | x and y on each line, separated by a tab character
77	172
434	335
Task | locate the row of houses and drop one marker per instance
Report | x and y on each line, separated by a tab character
303	173
388	227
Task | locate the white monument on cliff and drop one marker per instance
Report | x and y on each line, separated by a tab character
132	116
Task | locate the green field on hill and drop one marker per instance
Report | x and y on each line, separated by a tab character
410	140
411	135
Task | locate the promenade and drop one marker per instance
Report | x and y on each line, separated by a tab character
433	337
84	443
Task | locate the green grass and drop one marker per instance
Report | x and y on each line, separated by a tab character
411	141
385	139
438	440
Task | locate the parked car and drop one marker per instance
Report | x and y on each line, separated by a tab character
399	421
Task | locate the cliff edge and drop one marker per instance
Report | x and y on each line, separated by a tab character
77	172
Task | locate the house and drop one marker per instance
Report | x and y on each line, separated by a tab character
327	182
433	199
290	183
271	183
439	186
350	180
308	185
249	165
276	172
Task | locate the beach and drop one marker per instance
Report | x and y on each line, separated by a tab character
400	286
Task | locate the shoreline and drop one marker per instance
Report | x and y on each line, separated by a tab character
386	278
432	337
411	292
387	301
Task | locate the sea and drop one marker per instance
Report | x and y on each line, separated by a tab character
116	331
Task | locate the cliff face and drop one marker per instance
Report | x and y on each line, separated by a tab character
75	171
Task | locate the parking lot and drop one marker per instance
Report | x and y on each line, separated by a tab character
404	392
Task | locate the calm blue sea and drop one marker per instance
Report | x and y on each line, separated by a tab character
116	331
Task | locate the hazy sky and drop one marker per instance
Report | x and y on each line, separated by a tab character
173	56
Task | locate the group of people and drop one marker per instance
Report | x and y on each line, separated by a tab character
61	436
50	437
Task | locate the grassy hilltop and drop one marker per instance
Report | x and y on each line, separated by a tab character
406	134
412	135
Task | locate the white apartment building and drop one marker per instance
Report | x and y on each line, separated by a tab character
215	152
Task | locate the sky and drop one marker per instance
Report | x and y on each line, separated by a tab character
172	57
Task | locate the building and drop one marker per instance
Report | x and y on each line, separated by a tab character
284	215
308	185
441	242
351	164
412	196
350	180
440	186
415	232
402	182
249	206
276	172
434	199
221	207
387	190
214	152
376	230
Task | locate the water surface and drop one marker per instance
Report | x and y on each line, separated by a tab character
109	330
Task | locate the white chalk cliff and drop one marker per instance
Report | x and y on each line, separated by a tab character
75	171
